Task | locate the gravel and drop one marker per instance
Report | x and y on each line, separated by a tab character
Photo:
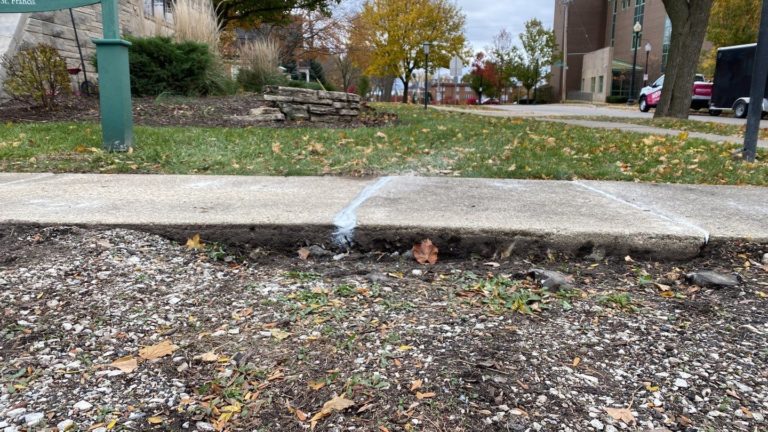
263	343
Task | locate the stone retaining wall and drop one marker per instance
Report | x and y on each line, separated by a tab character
309	105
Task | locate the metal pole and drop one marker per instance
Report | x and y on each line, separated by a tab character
426	79
563	90
631	99
645	75
757	93
80	51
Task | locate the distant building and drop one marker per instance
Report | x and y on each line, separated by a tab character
600	46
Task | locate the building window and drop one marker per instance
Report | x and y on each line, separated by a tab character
613	22
625	4
158	8
667	41
601	84
592	84
639	16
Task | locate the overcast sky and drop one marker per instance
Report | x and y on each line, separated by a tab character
485	18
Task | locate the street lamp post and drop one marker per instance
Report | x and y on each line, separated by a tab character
426	73
637	29
648	48
563	90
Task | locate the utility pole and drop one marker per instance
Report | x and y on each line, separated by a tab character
563	90
757	92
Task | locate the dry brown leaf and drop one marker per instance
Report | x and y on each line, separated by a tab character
195	243
576	361
279	334
421	396
338	403
383	429
301	415
157	351
425	252
208	357
316	385
621	414
416	384
303	254
125	364
155	420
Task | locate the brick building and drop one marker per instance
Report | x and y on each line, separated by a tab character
137	17
600	46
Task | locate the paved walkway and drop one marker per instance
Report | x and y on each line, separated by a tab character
628	127
461	216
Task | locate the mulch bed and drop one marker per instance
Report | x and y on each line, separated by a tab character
212	339
177	111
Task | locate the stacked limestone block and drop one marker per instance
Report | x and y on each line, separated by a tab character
311	105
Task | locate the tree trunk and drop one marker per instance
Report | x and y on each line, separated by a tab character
405	90
689	27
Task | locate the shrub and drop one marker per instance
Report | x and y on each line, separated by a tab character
36	74
259	62
160	65
363	86
616	99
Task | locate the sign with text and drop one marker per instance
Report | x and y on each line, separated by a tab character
23	6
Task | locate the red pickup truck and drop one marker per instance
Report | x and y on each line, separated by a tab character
702	93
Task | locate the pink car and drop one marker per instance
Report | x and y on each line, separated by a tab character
702	93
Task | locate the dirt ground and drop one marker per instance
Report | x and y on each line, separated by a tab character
123	330
176	111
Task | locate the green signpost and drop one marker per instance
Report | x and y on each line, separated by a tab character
112	57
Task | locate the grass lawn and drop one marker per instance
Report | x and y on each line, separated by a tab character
426	143
684	125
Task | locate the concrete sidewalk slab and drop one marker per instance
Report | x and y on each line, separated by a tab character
463	216
725	212
248	208
500	216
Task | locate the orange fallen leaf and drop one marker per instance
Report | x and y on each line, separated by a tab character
416	384
316	385
383	429
157	351
125	364
425	252
195	243
421	396
338	403
576	361
303	254
621	414
301	415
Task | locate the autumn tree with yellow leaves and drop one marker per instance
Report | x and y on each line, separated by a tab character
394	31
732	22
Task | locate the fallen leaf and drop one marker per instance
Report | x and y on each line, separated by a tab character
208	357
425	252
279	334
338	403
125	364
195	243
421	396
157	351
383	429
112	424
301	415
381	135
576	361
416	384
155	420
621	414
303	254
404	348
316	385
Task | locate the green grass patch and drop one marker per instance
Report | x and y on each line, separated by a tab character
426	143
708	127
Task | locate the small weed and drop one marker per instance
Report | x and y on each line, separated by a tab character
302	276
621	301
345	290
